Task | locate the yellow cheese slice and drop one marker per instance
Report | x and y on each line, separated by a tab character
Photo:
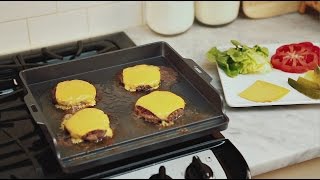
85	121
141	75
262	91
74	92
161	103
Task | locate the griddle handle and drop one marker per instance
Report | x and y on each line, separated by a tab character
34	109
199	70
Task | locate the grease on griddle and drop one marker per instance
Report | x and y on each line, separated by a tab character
183	131
168	77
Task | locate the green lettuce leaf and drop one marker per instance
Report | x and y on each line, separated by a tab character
224	61
241	59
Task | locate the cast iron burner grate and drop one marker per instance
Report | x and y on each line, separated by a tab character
10	68
24	152
18	150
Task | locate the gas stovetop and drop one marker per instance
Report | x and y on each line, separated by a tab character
24	152
22	146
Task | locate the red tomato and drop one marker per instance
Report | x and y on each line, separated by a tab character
296	58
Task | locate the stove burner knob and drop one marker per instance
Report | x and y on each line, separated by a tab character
161	174
198	170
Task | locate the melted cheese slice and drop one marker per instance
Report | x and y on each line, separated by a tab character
75	92
141	75
85	121
262	91
161	103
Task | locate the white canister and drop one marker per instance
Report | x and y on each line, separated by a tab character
169	17
216	12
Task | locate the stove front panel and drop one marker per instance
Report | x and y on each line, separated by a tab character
176	168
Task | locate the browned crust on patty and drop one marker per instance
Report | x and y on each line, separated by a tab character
94	136
150	117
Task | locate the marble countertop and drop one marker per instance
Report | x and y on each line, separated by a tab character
269	138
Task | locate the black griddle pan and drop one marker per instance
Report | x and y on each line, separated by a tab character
132	136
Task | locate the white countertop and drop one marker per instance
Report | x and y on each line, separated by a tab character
269	138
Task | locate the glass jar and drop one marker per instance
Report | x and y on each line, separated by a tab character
169	17
216	12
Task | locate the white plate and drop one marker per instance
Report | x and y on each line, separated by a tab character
232	87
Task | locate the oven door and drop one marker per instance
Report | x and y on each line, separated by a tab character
219	159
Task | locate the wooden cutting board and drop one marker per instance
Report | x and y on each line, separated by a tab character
265	9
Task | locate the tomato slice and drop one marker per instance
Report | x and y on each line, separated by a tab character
296	58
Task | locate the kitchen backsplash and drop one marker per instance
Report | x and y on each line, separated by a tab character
34	24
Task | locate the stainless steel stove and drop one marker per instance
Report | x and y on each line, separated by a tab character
24	152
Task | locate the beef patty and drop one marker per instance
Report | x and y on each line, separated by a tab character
145	88
71	109
167	76
92	136
150	117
